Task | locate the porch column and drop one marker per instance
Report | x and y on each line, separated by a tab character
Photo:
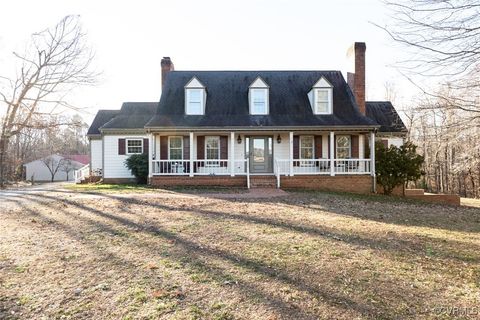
191	154
290	162
361	151
231	154
332	153
150	155
372	153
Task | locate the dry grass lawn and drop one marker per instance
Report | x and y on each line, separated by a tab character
305	256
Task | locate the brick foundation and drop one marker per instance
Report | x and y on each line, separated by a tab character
221	181
449	199
355	184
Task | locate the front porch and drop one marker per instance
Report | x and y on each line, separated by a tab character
244	154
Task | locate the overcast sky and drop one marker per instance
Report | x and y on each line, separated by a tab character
131	37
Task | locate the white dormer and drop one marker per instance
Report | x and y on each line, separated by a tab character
258	96
195	97
321	97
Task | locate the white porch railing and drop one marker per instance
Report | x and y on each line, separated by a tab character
199	167
322	166
82	173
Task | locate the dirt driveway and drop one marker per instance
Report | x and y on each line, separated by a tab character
177	255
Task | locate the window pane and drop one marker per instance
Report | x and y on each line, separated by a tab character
175	142
134	146
322	107
195	95
212	145
343	141
259	103
306	153
194	103
322	95
175	154
343	153
307	142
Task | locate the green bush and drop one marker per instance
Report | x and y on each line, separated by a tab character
138	165
396	166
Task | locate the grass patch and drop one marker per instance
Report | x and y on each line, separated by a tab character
109	188
308	255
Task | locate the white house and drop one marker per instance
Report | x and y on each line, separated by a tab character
308	129
61	166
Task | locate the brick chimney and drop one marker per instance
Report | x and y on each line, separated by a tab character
167	66
359	78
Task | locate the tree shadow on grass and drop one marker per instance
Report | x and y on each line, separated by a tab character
195	252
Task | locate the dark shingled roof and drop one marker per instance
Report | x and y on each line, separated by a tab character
132	115
383	113
102	117
227	100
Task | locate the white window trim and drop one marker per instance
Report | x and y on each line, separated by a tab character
202	101
133	139
181	139
212	162
266	91
349	145
309	162
330	100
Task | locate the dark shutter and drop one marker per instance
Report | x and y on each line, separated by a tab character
163	148
354	146
296	149
145	146
223	150
186	148
121	146
385	143
201	147
318	147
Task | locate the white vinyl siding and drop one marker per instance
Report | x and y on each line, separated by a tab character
114	162
96	155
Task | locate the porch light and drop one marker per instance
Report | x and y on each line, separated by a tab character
279	139
239	139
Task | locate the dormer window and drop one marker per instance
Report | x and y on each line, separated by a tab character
322	101
321	97
194	102
258	96
195	97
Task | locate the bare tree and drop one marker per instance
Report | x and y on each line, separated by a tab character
57	61
53	164
67	166
443	39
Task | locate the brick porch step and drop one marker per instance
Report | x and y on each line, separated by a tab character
263	182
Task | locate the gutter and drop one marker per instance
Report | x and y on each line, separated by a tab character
262	128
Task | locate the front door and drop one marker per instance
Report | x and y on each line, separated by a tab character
260	152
